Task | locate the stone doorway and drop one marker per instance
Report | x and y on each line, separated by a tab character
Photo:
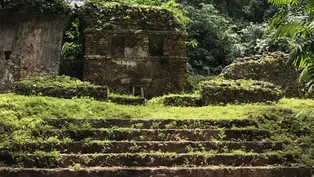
72	52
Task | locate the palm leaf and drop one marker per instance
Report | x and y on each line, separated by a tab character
284	2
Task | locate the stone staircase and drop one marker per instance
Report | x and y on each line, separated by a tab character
151	148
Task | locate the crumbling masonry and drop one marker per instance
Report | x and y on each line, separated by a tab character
133	50
143	55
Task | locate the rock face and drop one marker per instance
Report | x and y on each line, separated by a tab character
270	67
30	45
142	53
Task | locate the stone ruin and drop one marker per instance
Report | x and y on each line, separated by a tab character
137	50
30	45
143	55
269	67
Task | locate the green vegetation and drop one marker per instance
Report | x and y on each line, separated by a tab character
25	120
194	80
126	99
54	7
184	100
221	31
271	67
60	87
72	60
104	14
213	41
23	108
170	5
54	81
295	21
297	131
238	91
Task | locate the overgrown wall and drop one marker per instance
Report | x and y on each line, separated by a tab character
118	49
30	45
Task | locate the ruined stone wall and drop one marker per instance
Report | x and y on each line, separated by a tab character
29	46
269	67
165	72
134	46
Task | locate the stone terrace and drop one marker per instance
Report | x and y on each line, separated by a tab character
153	148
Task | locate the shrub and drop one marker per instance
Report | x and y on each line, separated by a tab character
126	99
55	7
60	87
184	100
109	15
238	91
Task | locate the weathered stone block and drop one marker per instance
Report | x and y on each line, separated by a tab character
34	45
144	50
270	67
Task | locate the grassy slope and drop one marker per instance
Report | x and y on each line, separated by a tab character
29	113
45	107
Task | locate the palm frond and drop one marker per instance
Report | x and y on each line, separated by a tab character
284	2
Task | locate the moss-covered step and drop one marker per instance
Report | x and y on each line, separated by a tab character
42	160
153	123
157	134
269	171
148	146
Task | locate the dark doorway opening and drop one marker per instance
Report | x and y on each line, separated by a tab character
156	46
117	46
7	55
72	53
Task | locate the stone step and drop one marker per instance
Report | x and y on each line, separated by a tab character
149	146
212	171
157	134
162	172
146	159
155	123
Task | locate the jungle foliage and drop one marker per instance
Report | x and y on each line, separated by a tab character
56	7
295	21
221	31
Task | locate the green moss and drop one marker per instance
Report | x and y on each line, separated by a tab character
26	109
61	87
296	131
38	159
55	81
54	7
238	91
20	115
126	99
194	80
182	100
271	68
110	15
